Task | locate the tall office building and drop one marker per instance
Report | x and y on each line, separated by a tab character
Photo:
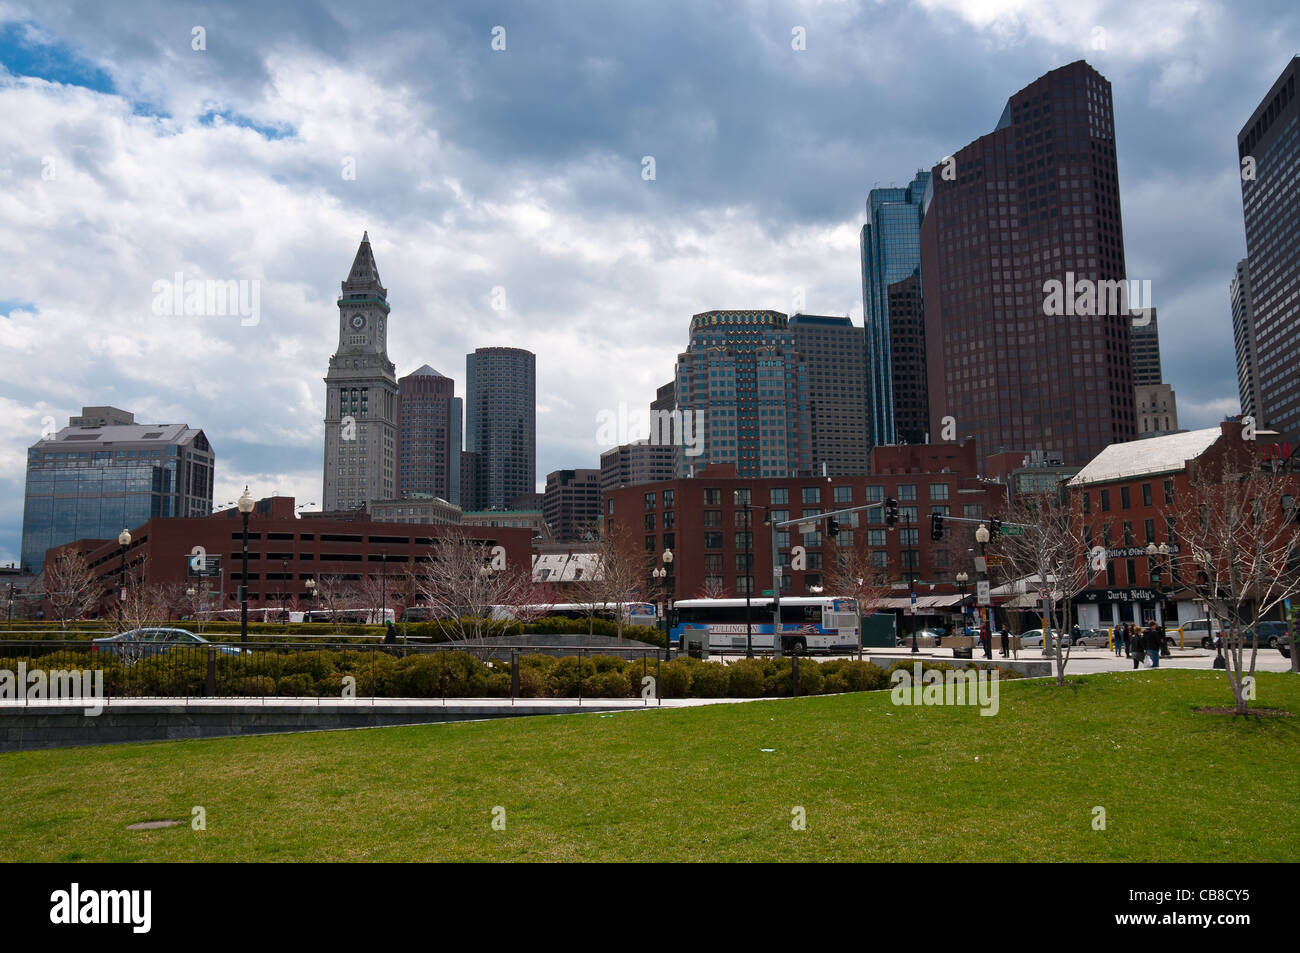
361	395
834	354
632	463
665	397
1022	263
891	253
104	473
742	378
1243	337
429	427
501	425
571	503
1145	339
1269	148
911	408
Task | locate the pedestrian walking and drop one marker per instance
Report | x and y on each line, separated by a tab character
986	640
1154	641
1127	639
390	632
1134	643
1006	641
1117	639
1075	634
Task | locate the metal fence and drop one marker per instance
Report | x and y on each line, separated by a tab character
41	668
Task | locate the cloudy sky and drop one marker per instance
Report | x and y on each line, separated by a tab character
128	155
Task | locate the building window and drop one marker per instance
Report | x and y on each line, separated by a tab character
876	538
713	517
1150	527
650	546
712	540
743	518
649	521
1131	569
779	496
713	497
909	537
744	540
650	501
911	559
668	498
908	514
1124	500
744	585
941	510
972	511
938	491
713	582
1146	494
1087	502
940	558
713	564
1128	533
1169	491
907	491
843	494
814	560
744	562
742	496
670	519
875	494
1105	501
878	559
812	494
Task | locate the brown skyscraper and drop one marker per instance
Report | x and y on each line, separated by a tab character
1033	202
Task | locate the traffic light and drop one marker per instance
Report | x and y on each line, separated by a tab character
995	527
936	526
891	512
832	528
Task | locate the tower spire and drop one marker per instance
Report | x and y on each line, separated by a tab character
364	274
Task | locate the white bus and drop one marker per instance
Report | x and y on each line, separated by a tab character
633	613
808	624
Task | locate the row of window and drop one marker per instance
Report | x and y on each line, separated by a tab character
779	496
1125	497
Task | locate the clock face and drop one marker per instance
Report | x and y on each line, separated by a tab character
358	321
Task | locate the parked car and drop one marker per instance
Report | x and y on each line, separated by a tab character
1034	638
1094	637
906	637
135	644
1202	632
1270	634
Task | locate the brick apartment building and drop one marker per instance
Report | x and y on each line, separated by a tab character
284	551
1127	495
702	521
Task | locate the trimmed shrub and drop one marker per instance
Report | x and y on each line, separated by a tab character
607	684
746	678
861	676
675	678
298	684
710	680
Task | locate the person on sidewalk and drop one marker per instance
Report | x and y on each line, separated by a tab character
1134	643
1154	641
1117	639
1006	641
986	640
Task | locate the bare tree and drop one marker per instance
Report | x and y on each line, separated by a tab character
471	590
1239	539
71	586
146	604
620	573
1043	550
334	593
712	588
851	574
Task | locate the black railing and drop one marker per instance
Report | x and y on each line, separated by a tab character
42	669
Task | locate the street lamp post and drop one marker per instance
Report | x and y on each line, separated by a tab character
123	540
245	505
668	578
311	592
961	584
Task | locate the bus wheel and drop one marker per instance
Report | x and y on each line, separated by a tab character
801	646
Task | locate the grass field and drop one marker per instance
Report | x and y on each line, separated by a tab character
876	782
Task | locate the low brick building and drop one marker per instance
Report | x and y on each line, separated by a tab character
284	551
701	519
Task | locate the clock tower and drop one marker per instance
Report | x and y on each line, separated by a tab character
361	395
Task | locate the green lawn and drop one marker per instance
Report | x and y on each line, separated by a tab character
877	782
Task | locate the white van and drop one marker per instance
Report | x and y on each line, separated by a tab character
1202	632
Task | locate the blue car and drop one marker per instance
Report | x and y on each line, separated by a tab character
136	644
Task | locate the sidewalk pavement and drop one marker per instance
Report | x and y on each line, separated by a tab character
1087	660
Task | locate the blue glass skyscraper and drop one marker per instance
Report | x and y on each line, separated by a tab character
891	253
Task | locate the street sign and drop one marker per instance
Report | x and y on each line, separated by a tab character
767	592
993	560
982	593
981	564
1012	530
